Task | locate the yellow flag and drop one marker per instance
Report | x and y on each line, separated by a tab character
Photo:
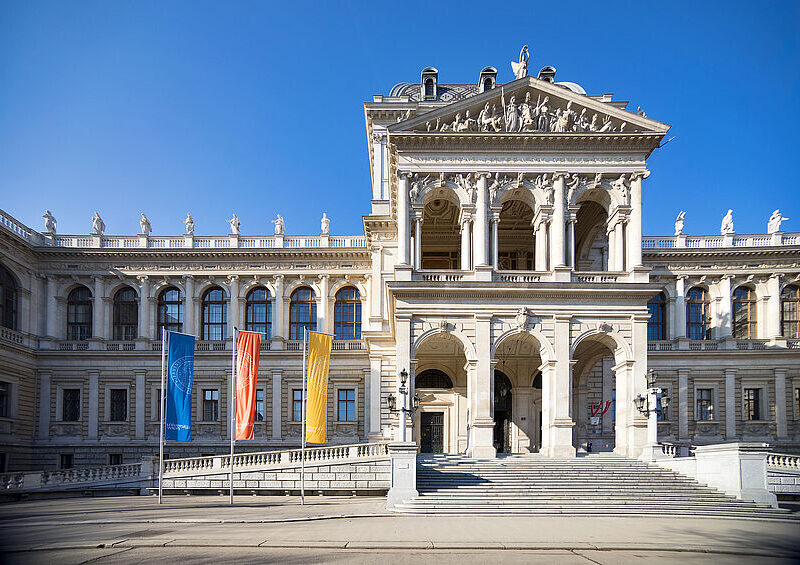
319	356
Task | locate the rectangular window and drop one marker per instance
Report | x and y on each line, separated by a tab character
4	394
115	458
797	404
3	463
71	404
65	461
210	405
661	411
118	411
259	405
346	405
297	405
705	405
752	404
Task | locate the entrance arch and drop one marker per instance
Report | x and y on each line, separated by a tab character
503	411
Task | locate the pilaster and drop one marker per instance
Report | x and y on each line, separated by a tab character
140	392
277	404
482	441
372	391
683	404
94	404
402	218
780	402
730	403
481	231
45	398
558	225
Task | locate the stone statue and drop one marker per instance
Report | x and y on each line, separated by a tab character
512	115
573	185
235	224
521	68
727	223
280	227
526	113
621	184
325	224
98	227
189	224
679	223
522	318
49	222
774	224
144	225
543	117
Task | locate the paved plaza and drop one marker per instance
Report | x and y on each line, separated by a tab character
359	530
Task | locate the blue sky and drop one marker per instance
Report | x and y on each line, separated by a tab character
256	107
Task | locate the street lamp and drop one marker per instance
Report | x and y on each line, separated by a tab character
404	410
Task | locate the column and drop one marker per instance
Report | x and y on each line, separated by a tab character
189	306
683	404
641	431
480	233
322	305
466	264
730	403
561	395
403	362
571	252
724	318
780	402
619	245
635	222
540	257
376	288
229	404
679	329
277	404
418	240
233	307
495	240
482	440
98	309
379	163
140	392
144	330
612	247
608	394
548	369
402	218
278	329
773	320
558	225
44	404
373	394
94	404
51	322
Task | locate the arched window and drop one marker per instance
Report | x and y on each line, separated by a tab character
214	311
487	84
170	310
258	313
790	312
429	92
302	312
744	313
126	314
697	314
657	324
433	378
8	299
79	314
347	314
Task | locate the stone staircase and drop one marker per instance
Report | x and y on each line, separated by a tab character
592	485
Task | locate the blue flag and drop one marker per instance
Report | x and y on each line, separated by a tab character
180	369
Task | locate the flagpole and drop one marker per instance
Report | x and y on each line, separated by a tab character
303	409
233	408
163	415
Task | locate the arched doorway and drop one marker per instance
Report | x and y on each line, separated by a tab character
594	402
503	412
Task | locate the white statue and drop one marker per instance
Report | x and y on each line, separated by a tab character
512	115
98	227
280	227
679	223
144	225
235	224
189	224
49	222
774	224
325	224
521	68
727	223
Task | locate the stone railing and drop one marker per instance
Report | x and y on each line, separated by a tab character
745	344
79	477
517	276
594	277
715	241
783	461
19	338
16	227
201	242
348	345
704	345
660	346
445	275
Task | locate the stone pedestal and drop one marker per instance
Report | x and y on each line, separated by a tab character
403	485
738	469
482	440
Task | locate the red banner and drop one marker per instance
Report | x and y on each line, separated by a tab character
249	350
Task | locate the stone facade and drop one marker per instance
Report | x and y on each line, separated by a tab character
504	248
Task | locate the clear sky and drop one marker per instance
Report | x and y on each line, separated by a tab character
256	107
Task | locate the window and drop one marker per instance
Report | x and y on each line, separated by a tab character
71	404
118	411
4	394
210	405
661	411
3	463
258	314
170	311
657	324
8	299
346	399
115	458
433	378
790	312
697	314
429	90
744	313
79	314
347	314
126	315
705	405
302	312
259	405
214	314
297	405
752	404
797	404
65	461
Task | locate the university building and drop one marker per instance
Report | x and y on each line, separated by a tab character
502	267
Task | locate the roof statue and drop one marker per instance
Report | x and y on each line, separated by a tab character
774	223
280	227
49	222
98	226
325	224
727	224
679	223
235	224
521	68
144	225
189	224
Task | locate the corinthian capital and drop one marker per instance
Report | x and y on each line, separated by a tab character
560	175
404	174
640	175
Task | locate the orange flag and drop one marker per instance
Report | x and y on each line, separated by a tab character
248	353
319	356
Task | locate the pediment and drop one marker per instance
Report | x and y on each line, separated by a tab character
529	106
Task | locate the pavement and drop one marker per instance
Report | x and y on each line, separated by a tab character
206	529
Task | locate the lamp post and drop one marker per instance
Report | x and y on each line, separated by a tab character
648	405
404	409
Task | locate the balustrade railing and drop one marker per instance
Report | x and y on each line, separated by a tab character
516	276
429	275
15	226
783	460
33	480
660	346
348	345
594	277
715	241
